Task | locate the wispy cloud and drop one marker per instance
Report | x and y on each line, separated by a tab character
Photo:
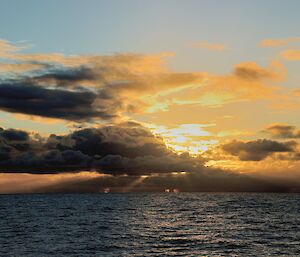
247	82
278	42
291	54
7	48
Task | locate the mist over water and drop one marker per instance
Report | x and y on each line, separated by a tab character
150	224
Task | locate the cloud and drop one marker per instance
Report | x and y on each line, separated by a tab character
16	68
294	156
110	86
13	141
296	92
32	99
257	150
278	42
66	76
7	48
93	88
283	131
124	157
247	82
123	149
251	71
209	46
291	55
287	100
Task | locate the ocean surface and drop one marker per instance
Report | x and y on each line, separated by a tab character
150	224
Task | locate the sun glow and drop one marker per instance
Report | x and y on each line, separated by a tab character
191	138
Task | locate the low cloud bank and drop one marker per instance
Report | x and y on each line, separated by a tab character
124	149
125	157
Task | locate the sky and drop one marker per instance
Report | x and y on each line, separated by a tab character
149	95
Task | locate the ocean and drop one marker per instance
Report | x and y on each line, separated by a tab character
150	224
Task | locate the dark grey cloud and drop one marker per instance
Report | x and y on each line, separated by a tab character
79	94
115	140
283	131
257	150
49	161
13	141
67	75
145	165
124	149
33	99
14	135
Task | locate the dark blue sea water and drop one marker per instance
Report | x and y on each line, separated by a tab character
150	224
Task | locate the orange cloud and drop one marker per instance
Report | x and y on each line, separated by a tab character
291	54
278	42
7	48
19	67
287	100
296	92
247	82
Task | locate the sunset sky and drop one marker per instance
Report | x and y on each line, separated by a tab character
197	95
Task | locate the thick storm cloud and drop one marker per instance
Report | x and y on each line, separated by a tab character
49	102
125	149
77	94
12	141
257	150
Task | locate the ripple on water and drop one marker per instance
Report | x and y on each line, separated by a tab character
184	224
